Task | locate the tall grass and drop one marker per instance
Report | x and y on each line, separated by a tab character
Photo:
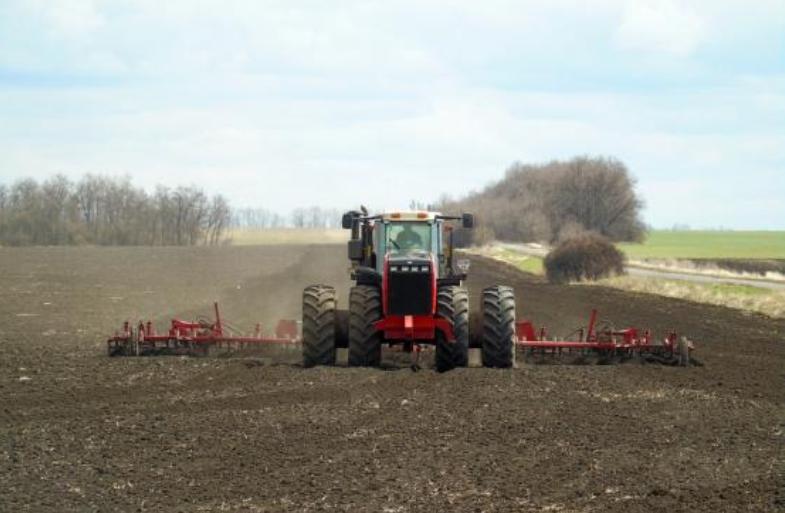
743	297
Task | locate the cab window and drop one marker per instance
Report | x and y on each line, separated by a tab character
408	237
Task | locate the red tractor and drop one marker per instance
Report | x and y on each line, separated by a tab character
409	291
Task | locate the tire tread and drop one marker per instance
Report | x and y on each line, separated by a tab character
319	302
498	327
365	341
453	305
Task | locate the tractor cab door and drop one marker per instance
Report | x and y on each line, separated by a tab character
438	250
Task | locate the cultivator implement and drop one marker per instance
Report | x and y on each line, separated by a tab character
195	338
606	342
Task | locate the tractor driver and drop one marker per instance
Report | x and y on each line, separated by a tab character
408	238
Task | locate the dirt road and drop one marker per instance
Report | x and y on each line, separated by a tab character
81	432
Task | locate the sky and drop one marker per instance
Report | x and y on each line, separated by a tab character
283	104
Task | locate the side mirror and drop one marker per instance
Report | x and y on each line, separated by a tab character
347	220
468	220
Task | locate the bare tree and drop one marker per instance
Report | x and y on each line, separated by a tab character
544	202
299	217
108	211
58	211
218	219
255	218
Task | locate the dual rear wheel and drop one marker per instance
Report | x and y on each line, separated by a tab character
321	322
365	341
319	326
453	306
498	327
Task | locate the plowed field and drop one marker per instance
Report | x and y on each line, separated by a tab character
82	432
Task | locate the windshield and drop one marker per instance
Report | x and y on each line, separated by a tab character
408	237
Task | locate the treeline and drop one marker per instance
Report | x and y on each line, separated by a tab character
311	217
532	203
554	201
108	211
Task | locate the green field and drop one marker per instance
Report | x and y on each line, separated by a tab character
709	244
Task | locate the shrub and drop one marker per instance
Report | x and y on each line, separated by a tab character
588	256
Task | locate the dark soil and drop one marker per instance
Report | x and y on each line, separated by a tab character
82	432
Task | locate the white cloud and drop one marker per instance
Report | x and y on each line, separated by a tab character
74	19
290	104
661	26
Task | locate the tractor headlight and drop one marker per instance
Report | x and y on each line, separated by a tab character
405	268
463	265
424	268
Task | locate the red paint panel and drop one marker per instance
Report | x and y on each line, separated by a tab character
414	327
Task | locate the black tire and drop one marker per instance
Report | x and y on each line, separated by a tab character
498	327
365	341
341	328
453	305
319	325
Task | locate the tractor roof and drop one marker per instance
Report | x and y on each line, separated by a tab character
410	215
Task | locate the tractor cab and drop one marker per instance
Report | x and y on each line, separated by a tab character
411	242
403	234
408	292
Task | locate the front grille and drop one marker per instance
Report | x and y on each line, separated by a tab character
409	293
